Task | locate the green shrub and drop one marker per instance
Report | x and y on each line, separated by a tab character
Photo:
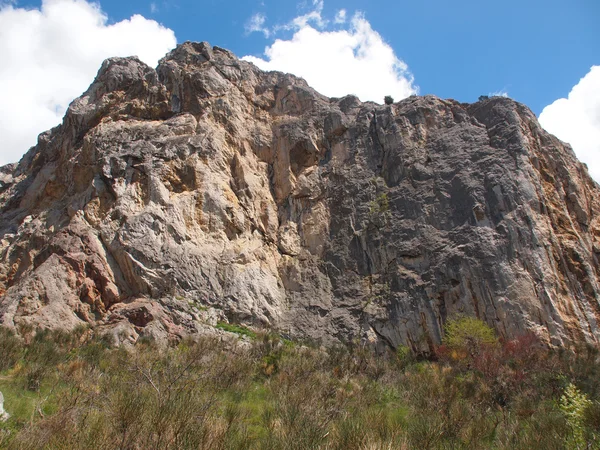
574	405
404	355
237	329
380	205
466	336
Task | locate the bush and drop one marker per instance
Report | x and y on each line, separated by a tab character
574	405
237	329
404	355
466	336
388	100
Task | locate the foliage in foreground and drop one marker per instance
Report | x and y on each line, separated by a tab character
72	391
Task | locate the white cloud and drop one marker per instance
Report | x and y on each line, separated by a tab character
340	16
153	8
500	93
256	23
352	61
50	55
315	16
576	120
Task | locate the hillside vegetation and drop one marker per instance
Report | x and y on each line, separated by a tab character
75	391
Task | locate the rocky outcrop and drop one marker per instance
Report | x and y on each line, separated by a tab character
4	416
208	190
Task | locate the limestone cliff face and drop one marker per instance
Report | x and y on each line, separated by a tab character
209	190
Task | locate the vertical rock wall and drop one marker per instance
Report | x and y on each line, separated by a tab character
209	190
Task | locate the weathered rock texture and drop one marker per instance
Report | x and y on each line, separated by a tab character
4	416
209	190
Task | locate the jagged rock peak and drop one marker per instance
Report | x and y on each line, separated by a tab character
208	190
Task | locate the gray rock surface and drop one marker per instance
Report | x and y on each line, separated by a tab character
4	416
207	190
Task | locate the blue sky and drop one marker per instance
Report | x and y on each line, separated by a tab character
537	52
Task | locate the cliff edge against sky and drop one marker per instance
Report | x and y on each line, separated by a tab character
207	190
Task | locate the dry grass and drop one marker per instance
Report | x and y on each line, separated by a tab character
72	391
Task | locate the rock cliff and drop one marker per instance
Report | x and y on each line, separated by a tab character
208	190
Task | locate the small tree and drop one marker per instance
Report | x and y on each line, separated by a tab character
388	99
466	336
483	97
573	404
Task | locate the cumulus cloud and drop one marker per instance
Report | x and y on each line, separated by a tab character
50	55
576	120
355	60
